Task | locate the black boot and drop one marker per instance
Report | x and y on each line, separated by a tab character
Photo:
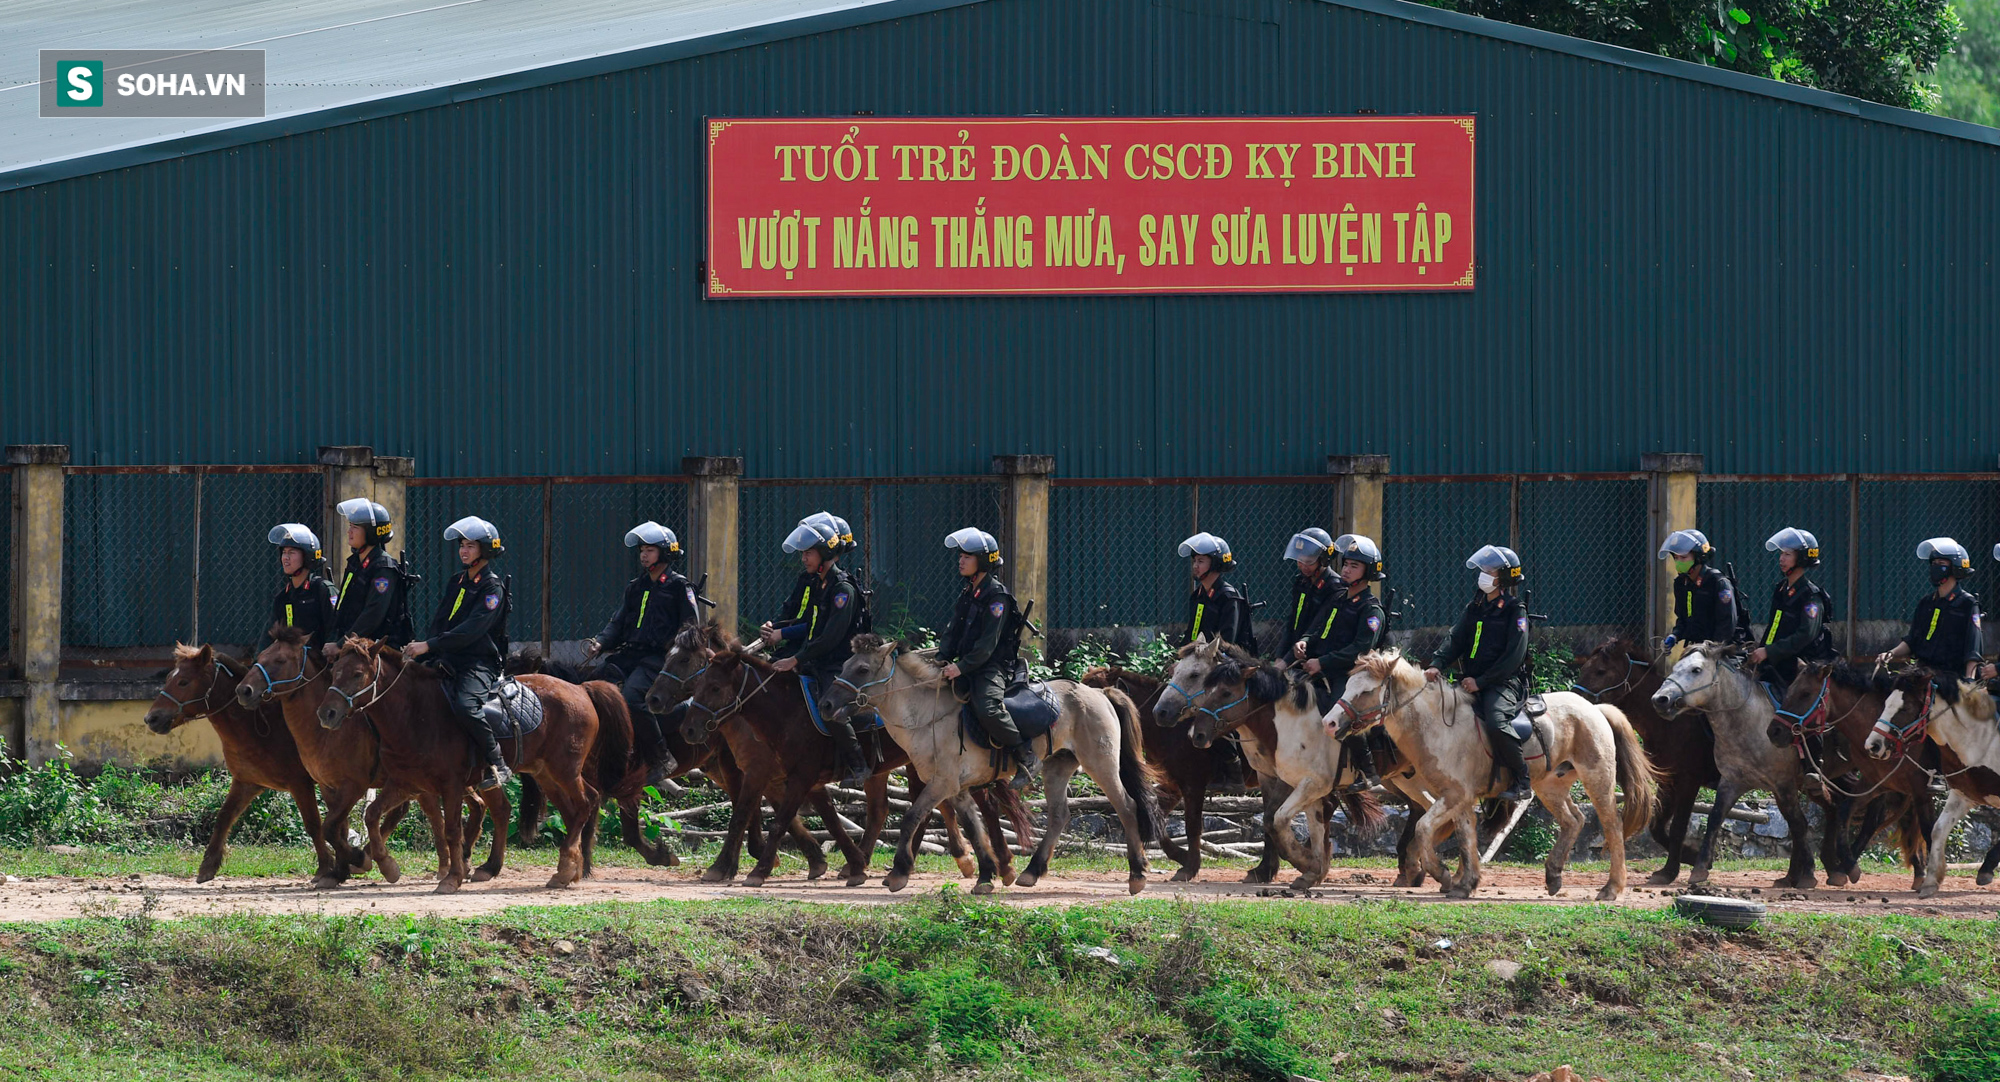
1030	770
660	764
851	761
1507	756
485	739
1362	758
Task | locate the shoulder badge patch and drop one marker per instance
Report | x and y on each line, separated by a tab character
840	600
1975	617
382	585
493	600
998	608
1520	623
1374	623
1725	594
1812	610
690	593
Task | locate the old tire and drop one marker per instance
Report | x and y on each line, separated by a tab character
1721	912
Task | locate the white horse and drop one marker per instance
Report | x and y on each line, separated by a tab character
1215	685
1095	728
1960	717
1739	712
1435	726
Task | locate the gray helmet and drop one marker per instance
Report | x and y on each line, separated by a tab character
295	535
1498	561
1311	543
656	535
1797	540
368	515
814	533
1688	545
1211	546
1364	551
978	543
843	534
474	528
1944	548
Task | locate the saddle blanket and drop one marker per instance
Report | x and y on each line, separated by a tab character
520	707
1032	706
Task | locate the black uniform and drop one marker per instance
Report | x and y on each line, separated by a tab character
309	607
1797	631
984	638
819	638
1309	596
636	639
372	604
1704	611
1944	633
1490	644
796	601
468	636
1221	610
1346	628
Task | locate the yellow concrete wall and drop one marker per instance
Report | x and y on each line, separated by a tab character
114	731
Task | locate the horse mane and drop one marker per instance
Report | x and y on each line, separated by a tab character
186	652
1391	667
867	643
286	633
1849	675
1631	648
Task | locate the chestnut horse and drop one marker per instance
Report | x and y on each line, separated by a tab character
256	747
1622	673
423	749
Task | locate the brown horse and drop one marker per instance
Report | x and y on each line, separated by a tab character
1186	768
256	747
423	750
1621	673
693	648
346	764
1841	700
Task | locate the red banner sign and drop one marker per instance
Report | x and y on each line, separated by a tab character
860	207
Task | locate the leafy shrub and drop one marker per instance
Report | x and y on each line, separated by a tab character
954	1010
1244	1030
1969	1048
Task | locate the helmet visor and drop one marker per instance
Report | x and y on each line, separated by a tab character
1792	538
807	535
1491	558
1304	546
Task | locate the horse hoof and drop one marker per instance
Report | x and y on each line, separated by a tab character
1458	892
207	874
557	881
1135	884
896	881
754	880
1984	879
1304	882
1183	875
854	879
967	867
1807	881
1928	890
1554	881
391	871
818	871
1836	879
1008	878
1027	879
671	860
446	886
1255	875
1608	893
481	875
324	882
982	887
1697	877
1408	881
717	875
1662	877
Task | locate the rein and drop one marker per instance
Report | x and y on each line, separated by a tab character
1622	685
290	683
1814	720
370	688
717	717
181	705
1900	738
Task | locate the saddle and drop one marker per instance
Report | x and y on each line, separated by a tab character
862	722
1032	707
1527	725
520	709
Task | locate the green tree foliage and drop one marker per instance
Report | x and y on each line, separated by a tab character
1875	49
1968	78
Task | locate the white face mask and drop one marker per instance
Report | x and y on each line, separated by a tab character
1486	582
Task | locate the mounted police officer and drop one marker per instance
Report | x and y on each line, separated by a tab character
373	594
304	599
1490	647
794	609
981	644
1799	608
1215	606
1350	624
1311	551
1944	632
634	642
468	641
815	644
1704	599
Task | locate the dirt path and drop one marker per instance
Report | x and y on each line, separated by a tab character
56	897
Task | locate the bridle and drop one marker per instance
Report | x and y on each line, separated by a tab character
373	689
1622	685
181	705
291	683
1901	737
1682	691
717	717
1814	720
861	701
1360	720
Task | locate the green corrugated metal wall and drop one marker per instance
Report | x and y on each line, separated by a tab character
507	285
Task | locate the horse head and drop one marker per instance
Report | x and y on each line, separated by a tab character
1192	665
688	655
355	682
872	664
285	666
1382	681
1696	679
1609	671
730	677
184	691
1915	696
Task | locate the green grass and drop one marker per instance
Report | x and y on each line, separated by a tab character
946	987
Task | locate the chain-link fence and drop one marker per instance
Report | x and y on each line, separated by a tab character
156	555
1738	513
899	523
1898	513
6	563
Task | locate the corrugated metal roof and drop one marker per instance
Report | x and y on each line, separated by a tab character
340	62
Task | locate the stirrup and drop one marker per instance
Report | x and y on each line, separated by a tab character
494	777
1027	768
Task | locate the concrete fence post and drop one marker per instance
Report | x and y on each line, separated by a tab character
1671	484
392	491
350	474
35	622
1025	542
713	492
1357	496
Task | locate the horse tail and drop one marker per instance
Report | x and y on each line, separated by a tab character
614	735
1013	808
1138	776
1364	810
1636	775
528	812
